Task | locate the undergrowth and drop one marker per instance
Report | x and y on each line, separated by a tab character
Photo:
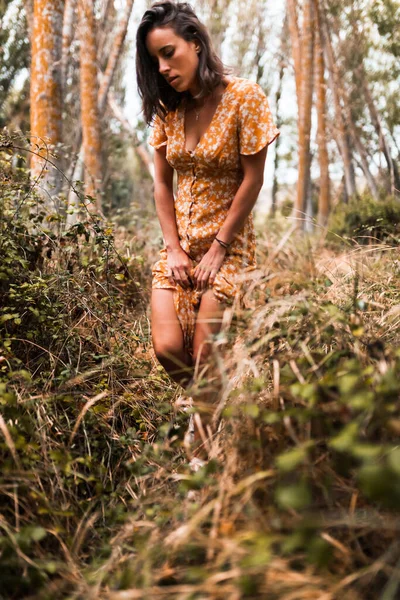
301	498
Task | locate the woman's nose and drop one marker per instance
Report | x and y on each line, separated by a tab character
163	67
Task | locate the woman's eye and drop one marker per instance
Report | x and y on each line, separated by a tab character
169	54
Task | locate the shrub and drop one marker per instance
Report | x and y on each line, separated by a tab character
366	220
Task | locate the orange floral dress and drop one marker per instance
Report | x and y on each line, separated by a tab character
208	179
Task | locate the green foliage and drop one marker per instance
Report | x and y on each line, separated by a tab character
95	482
14	53
367	221
386	15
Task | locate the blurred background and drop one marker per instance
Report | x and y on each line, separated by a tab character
329	68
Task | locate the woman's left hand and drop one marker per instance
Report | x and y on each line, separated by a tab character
205	272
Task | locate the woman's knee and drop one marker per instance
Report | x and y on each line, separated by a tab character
167	352
201	351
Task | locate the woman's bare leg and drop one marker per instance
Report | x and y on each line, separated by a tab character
209	321
168	337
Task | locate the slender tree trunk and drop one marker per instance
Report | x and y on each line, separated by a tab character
141	152
73	198
295	43
89	102
216	24
67	36
45	92
114	56
364	159
102	93
28	4
306	95
342	138
282	66
394	175
324	199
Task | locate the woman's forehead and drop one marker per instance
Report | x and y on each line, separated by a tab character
159	37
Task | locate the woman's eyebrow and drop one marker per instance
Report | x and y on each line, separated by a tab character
164	47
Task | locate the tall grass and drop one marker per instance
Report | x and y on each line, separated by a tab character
301	498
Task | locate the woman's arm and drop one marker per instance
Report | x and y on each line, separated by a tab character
242	204
179	263
246	196
164	198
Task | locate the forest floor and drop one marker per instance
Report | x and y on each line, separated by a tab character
301	499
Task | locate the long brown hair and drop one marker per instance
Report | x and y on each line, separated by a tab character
158	97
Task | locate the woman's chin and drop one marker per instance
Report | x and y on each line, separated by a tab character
179	86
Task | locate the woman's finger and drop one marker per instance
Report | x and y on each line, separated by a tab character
204	279
212	277
184	281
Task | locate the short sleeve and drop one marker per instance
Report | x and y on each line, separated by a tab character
256	126
158	137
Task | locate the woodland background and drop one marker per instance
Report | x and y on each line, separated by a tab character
302	498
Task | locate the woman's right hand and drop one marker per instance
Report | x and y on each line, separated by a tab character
179	267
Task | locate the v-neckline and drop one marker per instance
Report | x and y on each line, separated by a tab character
201	139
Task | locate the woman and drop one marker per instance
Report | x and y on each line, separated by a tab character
213	129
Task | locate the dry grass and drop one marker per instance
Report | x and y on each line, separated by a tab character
285	511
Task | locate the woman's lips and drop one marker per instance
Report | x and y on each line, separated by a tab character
171	81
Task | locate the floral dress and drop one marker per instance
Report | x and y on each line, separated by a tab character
208	179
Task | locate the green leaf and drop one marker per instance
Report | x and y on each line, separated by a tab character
295	497
38	533
394	460
288	461
346	438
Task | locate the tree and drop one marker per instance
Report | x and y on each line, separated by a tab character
89	101
116	49
67	36
303	52
324	200
283	58
14	58
45	92
340	130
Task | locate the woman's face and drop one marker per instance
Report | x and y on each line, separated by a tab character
177	59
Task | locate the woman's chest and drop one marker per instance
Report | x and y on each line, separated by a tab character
217	146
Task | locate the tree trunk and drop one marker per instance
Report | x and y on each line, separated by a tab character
114	56
45	92
306	95
73	198
67	36
364	160
217	22
342	139
383	143
103	92
89	103
28	4
295	43
324	198
282	67
144	157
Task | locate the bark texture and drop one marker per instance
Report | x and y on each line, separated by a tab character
324	198
45	91
383	142
341	134
306	97
67	36
89	102
295	43
114	56
143	155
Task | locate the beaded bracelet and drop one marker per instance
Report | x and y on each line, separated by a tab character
223	244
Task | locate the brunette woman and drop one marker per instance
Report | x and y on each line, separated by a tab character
213	129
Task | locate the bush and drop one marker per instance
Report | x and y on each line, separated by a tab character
366	220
